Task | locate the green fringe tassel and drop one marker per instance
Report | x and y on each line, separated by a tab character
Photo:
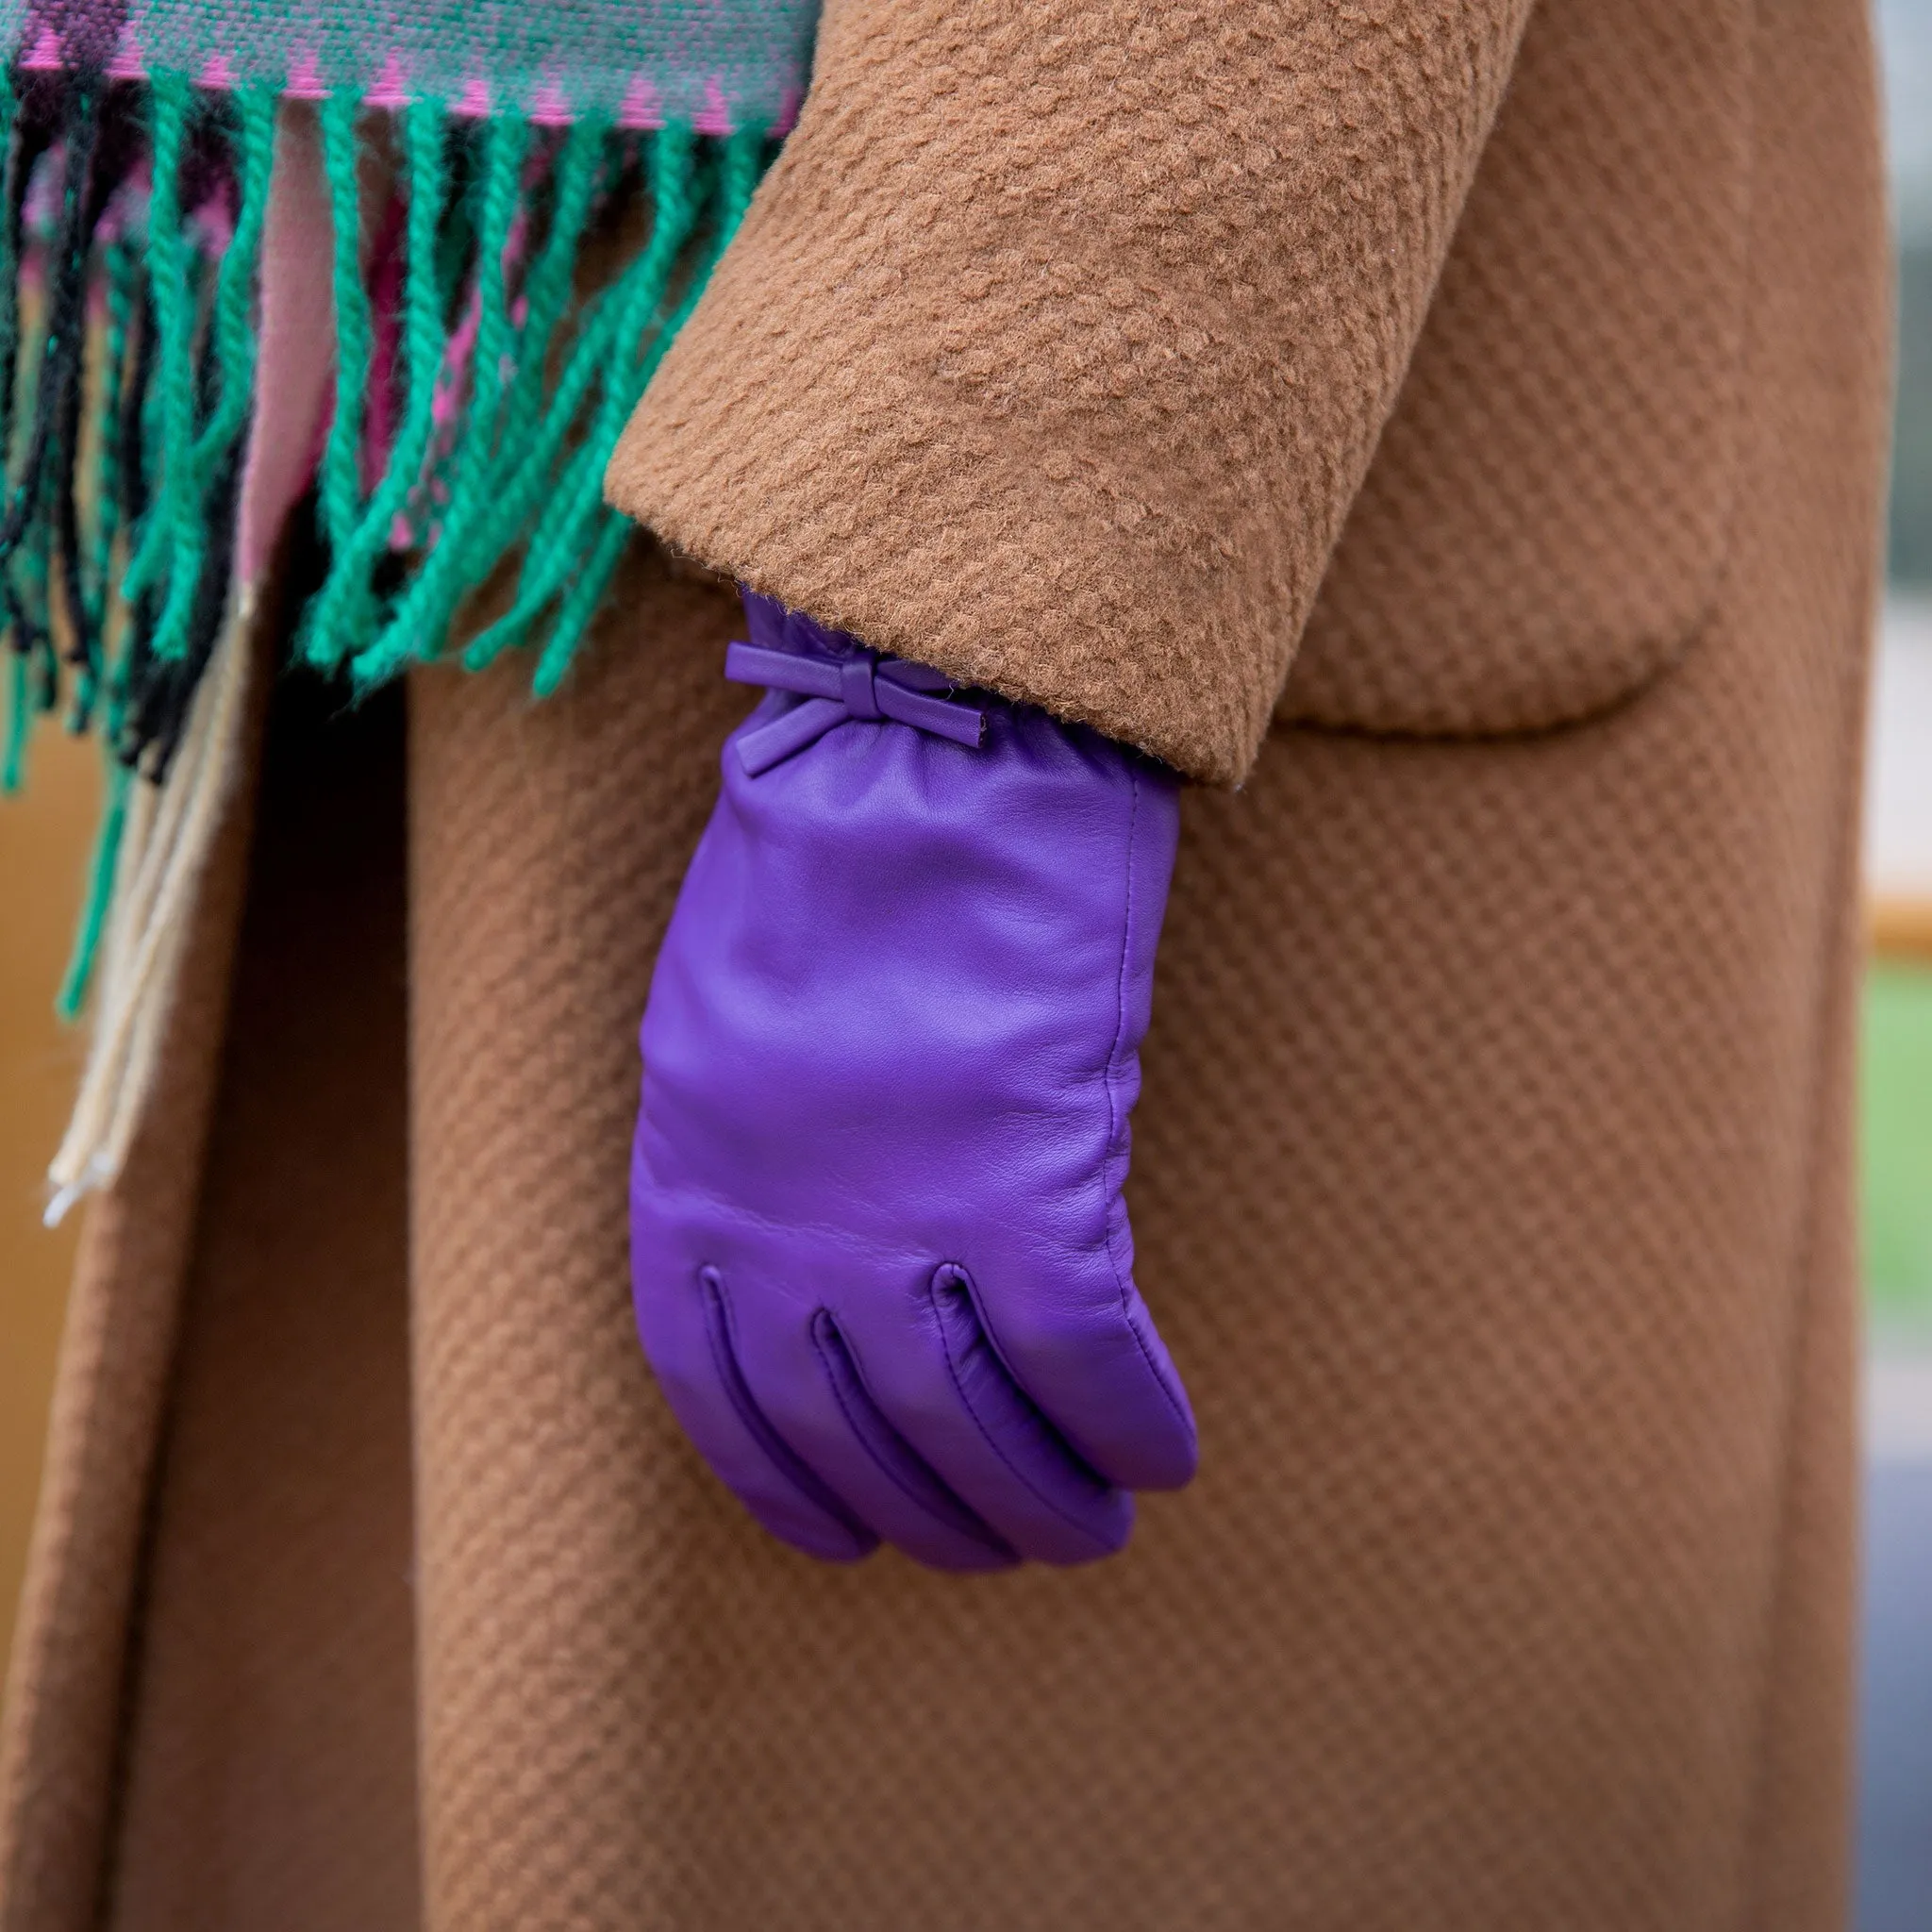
525	470
344	611
19	717
71	997
119	467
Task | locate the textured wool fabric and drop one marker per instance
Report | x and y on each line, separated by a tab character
1498	569
1058	340
555	1495
268	1723
63	1717
1490	1186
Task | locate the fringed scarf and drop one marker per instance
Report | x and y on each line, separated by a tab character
469	148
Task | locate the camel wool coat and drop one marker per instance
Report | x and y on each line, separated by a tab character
1451	430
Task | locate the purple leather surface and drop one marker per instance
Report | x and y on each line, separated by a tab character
881	1262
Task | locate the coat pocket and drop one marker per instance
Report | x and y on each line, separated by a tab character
1544	528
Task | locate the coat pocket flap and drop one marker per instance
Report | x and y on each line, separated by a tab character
1544	527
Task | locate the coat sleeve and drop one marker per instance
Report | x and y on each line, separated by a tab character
1054	348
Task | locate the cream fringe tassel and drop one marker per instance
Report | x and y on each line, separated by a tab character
164	850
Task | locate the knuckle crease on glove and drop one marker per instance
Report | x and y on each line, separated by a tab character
846	1238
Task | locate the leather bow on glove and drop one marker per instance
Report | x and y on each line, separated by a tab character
880	1255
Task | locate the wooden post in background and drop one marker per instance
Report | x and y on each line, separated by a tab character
44	839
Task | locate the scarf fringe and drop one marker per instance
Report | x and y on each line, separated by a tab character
479	395
154	859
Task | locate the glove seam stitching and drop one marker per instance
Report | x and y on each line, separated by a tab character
757	1423
1018	1474
979	1531
1113	1115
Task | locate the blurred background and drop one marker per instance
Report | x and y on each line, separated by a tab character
1895	1811
44	835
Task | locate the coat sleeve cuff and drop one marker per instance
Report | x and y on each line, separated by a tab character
1055	344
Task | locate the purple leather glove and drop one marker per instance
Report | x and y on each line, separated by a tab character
880	1257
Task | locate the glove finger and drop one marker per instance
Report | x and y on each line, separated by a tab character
947	1392
1100	1371
803	1379
687	1333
